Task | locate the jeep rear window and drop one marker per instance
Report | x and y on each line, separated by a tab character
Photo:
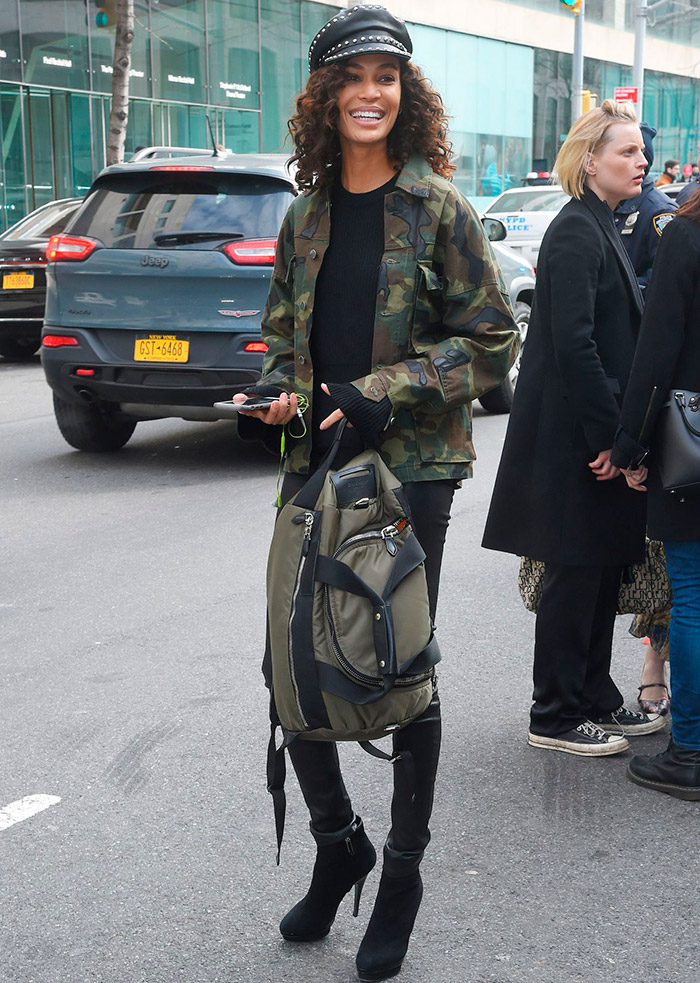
126	211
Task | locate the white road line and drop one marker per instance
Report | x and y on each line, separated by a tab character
15	812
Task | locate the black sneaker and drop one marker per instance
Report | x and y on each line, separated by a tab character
587	739
631	723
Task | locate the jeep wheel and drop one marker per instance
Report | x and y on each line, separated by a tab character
500	400
19	347
88	427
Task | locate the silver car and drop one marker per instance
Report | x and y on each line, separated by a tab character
519	276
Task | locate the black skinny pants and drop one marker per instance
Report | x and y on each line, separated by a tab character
316	763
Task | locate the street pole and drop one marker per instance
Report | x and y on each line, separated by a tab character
577	77
640	31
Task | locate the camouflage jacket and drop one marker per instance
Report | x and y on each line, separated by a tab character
443	334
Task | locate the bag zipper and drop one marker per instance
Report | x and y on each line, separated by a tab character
308	520
387	534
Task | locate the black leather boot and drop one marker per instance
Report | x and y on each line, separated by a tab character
343	860
385	943
676	771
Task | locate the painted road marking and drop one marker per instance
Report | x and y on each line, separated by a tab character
15	812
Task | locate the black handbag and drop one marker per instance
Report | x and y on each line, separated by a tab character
678	444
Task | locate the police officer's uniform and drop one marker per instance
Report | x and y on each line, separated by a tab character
641	222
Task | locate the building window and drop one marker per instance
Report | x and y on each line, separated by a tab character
102	47
54	41
177	48
232	44
10	62
281	70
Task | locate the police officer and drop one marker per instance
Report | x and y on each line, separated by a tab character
641	220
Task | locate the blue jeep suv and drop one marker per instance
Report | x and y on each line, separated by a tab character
155	291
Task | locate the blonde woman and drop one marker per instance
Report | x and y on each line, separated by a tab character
557	497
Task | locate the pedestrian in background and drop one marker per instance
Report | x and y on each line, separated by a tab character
387	307
668	355
691	187
672	169
557	497
641	221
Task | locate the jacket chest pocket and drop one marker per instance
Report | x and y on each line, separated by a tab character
427	312
396	284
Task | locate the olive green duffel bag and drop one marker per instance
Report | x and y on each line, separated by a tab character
350	641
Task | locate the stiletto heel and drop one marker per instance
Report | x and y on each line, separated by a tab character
343	861
358	891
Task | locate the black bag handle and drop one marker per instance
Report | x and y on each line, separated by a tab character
680	402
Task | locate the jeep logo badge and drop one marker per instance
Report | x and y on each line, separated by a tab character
159	261
239	313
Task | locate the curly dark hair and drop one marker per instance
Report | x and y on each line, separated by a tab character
421	126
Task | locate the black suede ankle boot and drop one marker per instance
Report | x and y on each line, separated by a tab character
385	943
343	860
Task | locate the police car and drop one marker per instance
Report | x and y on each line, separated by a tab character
526	214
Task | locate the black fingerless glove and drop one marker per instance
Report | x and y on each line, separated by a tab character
367	416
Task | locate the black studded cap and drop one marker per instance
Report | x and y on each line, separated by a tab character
363	30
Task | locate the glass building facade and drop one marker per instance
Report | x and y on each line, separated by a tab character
241	62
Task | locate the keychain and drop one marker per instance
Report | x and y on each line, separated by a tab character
302	407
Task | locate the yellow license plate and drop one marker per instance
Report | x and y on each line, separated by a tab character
161	348
17	281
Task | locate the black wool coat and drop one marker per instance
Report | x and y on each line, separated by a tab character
547	503
667	356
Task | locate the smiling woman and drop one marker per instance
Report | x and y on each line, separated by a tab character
417	120
386	308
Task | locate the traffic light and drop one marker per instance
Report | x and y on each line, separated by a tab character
573	5
106	15
589	100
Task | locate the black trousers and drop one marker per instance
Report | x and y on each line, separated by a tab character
316	763
573	641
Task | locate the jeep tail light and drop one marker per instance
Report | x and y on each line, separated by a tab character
251	252
58	340
69	248
255	346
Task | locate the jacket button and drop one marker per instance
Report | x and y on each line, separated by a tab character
301	360
313	254
302	305
374	390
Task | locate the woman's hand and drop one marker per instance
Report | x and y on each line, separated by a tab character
636	477
281	411
602	468
333	417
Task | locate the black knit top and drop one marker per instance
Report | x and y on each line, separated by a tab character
342	327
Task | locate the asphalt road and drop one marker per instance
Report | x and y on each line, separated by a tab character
131	619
